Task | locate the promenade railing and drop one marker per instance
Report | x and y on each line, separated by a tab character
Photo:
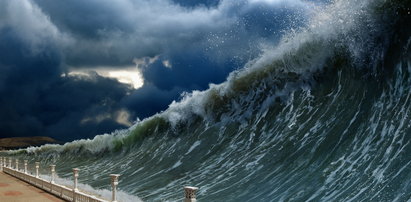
66	193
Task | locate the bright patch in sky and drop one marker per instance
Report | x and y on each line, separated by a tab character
125	76
130	75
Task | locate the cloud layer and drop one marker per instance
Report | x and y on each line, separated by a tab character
177	45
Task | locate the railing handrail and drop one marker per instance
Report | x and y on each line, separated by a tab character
73	193
48	186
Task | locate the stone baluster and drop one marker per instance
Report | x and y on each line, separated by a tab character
53	172
17	164
114	183
25	166
37	169
10	163
75	174
190	194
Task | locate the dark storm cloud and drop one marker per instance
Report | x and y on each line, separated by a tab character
81	107
115	33
35	99
158	99
191	3
107	33
190	44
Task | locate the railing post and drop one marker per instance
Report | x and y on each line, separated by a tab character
114	183
1	163
75	174
10	163
25	166
17	164
53	171
190	194
37	169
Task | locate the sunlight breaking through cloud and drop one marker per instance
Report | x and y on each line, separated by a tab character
130	76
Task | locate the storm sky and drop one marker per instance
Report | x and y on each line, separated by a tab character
74	69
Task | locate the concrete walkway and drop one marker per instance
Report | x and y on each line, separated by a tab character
15	190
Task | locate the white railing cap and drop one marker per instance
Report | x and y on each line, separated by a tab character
190	187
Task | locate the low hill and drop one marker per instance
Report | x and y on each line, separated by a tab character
23	142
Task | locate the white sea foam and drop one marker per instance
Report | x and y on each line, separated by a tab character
196	144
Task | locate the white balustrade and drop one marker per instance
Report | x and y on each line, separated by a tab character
67	193
17	164
50	186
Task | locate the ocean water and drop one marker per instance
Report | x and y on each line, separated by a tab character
323	116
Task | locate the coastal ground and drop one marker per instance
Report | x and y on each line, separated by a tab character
23	142
14	190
